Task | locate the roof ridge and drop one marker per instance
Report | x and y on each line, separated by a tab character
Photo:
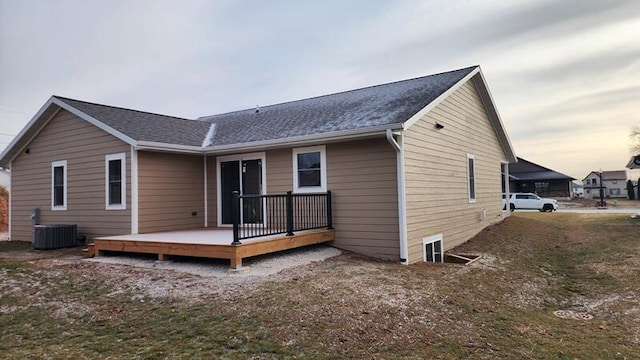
123	108
207	117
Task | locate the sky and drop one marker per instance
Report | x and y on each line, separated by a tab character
564	75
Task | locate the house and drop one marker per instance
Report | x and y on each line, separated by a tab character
526	176
613	184
634	163
414	167
4	178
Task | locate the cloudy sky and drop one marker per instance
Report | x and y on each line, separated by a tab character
565	75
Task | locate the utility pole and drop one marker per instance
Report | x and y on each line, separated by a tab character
601	190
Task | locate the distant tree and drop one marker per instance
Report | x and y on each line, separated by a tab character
630	190
635	139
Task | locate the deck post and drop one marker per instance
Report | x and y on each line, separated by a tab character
329	213
289	213
235	214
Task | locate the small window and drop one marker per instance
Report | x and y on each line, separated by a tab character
594	181
614	191
115	182
615	181
471	177
433	249
59	185
309	169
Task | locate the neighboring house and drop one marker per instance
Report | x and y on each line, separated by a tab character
613	183
4	178
526	176
412	165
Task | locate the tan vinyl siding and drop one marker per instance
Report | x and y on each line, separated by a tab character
436	172
362	178
170	189
83	146
279	171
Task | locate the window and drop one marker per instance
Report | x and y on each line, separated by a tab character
594	181
615	181
309	169
471	176
542	187
433	249
115	182
59	185
614	191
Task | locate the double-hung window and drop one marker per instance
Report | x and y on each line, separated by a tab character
309	169
59	185
115	182
471	178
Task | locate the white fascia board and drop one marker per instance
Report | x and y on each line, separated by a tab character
494	117
93	121
158	146
420	114
306	139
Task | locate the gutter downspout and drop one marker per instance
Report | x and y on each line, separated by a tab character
402	208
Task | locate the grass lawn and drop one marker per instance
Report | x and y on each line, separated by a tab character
501	306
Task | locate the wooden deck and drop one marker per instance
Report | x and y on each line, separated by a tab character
211	243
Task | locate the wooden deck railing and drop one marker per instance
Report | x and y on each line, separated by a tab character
271	214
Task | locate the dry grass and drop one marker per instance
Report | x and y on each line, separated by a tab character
346	307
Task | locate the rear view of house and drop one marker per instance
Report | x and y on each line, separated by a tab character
414	167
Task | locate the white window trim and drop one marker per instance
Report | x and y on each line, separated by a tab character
475	183
430	240
323	169
123	188
55	164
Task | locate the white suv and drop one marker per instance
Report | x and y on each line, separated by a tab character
529	201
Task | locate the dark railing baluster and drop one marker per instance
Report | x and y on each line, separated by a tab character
235	214
289	213
263	215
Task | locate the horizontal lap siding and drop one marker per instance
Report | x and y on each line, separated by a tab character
83	146
436	172
170	189
362	178
279	171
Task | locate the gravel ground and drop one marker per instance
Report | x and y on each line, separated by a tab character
259	266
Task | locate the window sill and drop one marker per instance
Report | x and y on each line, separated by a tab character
307	190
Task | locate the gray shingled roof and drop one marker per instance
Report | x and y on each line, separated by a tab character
374	106
144	126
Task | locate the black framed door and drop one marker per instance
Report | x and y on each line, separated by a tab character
244	176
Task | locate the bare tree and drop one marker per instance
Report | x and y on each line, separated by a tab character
635	139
